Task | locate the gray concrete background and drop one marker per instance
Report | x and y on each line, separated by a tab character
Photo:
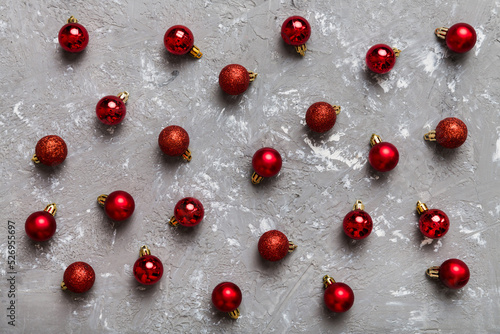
44	91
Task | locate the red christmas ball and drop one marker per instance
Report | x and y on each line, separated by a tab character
357	224
73	37
267	162
178	40
119	205
78	277
40	226
234	79
434	223
111	110
148	269
226	297
189	211
273	245
295	31
321	117
380	58
454	273
451	132
339	297
51	150
173	140
383	156
461	37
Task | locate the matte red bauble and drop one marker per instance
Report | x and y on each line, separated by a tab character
73	37
41	225
266	162
234	79
78	277
381	58
433	223
453	273
321	116
357	224
111	109
50	151
383	156
450	133
460	38
274	245
148	269
119	205
296	31
179	40
174	141
227	297
187	212
338	297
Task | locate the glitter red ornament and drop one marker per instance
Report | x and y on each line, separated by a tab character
460	37
357	224
73	37
296	31
148	269
381	58
433	223
111	109
383	156
234	79
266	162
274	245
174	141
187	212
41	225
453	273
79	277
227	297
179	40
450	133
50	150
321	116
119	205
339	297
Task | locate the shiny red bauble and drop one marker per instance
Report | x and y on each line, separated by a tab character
451	132
273	245
173	140
40	226
434	223
380	58
73	37
454	273
321	116
119	205
189	211
339	297
226	297
383	156
234	79
78	277
267	162
295	30
50	150
357	224
461	37
178	40
111	110
148	269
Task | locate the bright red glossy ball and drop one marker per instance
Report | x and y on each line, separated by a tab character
451	132
267	162
454	273
273	245
380	58
295	31
234	79
383	156
110	110
51	150
357	224
73	37
119	205
189	211
148	269
434	223
321	117
40	226
226	297
339	297
173	140
461	37
178	40
79	277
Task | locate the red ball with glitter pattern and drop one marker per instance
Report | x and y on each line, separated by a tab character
451	132
234	79
51	150
173	140
79	277
321	117
273	245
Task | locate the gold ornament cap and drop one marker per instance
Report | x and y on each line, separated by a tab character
144	251
102	199
195	52
51	208
433	272
358	205
327	281
123	96
375	139
421	207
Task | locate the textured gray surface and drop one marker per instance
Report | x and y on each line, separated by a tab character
47	91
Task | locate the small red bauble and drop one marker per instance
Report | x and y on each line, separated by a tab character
433	223
339	297
266	162
296	31
381	58
454	273
460	38
119	205
78	277
50	151
383	156
73	37
274	245
358	223
321	116
148	269
234	79
41	225
226	297
174	141
450	133
188	212
179	40
111	109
